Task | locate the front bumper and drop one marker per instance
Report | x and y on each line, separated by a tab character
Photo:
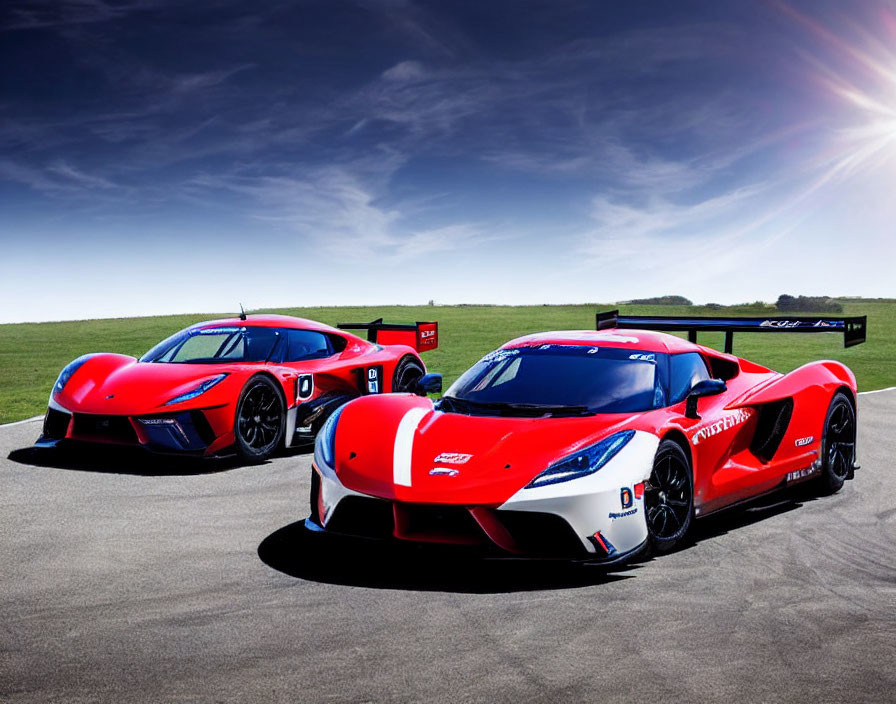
599	517
185	432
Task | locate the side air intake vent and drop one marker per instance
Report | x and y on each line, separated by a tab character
773	421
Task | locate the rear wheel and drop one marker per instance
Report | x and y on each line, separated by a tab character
669	498
260	419
838	444
407	373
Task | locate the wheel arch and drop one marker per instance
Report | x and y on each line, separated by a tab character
278	383
412	356
850	394
679	438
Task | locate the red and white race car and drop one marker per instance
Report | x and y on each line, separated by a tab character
250	384
588	444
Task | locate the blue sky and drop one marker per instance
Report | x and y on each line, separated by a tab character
160	156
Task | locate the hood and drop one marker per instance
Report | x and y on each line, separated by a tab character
114	384
398	447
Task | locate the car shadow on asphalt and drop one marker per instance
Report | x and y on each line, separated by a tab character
746	514
126	460
300	553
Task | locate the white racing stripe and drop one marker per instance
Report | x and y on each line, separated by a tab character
404	445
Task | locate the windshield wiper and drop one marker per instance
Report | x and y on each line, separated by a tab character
535	409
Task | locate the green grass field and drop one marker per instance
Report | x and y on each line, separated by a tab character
32	354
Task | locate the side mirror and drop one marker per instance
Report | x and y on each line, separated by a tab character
428	384
707	387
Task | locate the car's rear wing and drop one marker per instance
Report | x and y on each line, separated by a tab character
853	328
423	337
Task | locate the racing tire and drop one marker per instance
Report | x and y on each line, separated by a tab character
669	497
406	375
838	444
260	419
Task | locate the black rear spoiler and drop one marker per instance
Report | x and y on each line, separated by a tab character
853	328
421	336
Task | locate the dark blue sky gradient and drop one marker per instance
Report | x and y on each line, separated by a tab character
162	156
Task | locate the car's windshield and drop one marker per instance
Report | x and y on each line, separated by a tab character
214	345
579	378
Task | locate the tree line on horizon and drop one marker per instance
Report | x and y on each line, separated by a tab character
785	303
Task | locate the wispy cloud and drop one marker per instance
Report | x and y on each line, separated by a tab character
35	14
339	211
77	177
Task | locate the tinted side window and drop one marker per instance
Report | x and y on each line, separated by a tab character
306	344
687	370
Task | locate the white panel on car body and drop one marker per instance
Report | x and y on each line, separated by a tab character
290	425
332	490
56	406
589	503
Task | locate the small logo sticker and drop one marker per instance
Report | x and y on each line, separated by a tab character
804	441
444	472
622	514
626	497
452	458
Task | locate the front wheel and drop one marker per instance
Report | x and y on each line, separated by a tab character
260	419
838	444
669	497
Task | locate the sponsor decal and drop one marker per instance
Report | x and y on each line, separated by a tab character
643	357
797	323
803	441
557	345
622	514
217	331
373	380
626	497
444	472
498	355
426	337
452	458
802	473
733	419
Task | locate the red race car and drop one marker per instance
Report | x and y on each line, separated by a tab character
252	384
588	445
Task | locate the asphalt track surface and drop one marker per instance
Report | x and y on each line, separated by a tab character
133	580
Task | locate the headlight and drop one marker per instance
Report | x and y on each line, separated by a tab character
67	372
198	391
326	438
586	461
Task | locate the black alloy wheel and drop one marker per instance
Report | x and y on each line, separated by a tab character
669	497
407	373
838	444
260	419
